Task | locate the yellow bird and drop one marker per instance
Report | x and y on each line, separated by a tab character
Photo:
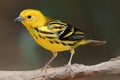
52	34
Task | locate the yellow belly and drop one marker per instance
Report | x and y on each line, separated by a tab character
51	45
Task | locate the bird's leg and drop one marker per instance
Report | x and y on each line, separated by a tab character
72	51
68	66
47	64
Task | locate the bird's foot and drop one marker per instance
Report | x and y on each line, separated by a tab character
69	70
44	70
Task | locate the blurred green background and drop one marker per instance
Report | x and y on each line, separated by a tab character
100	19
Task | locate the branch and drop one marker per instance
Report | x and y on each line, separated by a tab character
111	67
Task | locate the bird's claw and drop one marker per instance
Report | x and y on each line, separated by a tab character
45	67
69	70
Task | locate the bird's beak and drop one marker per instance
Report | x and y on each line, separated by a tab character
19	18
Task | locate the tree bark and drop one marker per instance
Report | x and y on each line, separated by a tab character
75	71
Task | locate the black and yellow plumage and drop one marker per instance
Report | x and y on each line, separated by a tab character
52	34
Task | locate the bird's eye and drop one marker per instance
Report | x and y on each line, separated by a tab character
29	16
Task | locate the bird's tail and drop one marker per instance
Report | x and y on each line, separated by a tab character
92	42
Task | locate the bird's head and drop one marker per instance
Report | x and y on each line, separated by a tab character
31	18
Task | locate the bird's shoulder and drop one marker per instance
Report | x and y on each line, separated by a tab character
64	30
